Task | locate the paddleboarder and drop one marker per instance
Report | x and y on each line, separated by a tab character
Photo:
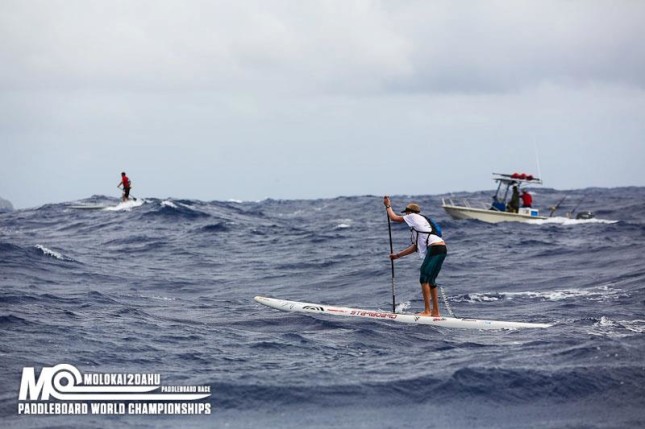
430	247
125	182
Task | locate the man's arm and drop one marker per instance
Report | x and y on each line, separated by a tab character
390	212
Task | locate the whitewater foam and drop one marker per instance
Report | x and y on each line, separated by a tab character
126	205
597	293
568	222
168	203
52	253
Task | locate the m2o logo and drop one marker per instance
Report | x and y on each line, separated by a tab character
49	382
66	383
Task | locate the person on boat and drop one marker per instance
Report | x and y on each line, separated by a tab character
125	182
514	203
430	247
527	199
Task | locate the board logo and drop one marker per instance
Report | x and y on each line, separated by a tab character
313	308
63	389
373	314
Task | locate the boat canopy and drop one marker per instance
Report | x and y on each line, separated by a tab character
518	178
505	182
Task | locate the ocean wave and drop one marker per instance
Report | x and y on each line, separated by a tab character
175	210
599	293
7	249
215	227
617	328
343	223
52	253
168	287
96	297
157	297
571	222
490	384
10	321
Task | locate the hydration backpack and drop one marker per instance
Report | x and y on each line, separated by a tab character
436	229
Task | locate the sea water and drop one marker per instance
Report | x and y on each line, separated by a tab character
166	287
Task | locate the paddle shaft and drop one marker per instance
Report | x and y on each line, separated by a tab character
389	229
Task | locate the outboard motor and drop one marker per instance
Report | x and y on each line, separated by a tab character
585	215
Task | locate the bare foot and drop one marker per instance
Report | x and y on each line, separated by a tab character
424	313
435	314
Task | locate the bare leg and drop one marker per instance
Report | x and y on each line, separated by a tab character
426	291
435	301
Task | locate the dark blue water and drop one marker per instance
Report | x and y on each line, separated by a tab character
167	287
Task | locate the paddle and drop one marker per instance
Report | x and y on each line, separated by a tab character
389	228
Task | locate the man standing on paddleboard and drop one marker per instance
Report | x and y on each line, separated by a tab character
426	241
125	182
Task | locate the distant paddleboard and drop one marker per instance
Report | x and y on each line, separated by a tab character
88	207
126	205
445	322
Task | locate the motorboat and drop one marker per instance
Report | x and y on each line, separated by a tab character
500	210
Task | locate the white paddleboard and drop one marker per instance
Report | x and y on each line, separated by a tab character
126	205
446	322
88	206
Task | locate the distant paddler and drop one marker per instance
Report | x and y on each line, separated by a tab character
426	240
126	184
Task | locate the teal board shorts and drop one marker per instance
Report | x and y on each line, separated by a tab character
432	265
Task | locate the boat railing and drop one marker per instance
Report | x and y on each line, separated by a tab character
464	202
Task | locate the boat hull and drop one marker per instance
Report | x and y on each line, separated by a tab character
489	216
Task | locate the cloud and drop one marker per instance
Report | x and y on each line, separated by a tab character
148	45
496	47
320	47
315	98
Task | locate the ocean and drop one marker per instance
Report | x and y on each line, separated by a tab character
166	287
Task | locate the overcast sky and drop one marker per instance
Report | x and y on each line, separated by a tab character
218	100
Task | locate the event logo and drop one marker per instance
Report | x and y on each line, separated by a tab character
105	393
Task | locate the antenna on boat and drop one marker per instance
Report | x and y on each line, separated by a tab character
537	161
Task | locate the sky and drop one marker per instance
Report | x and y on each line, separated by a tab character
247	100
